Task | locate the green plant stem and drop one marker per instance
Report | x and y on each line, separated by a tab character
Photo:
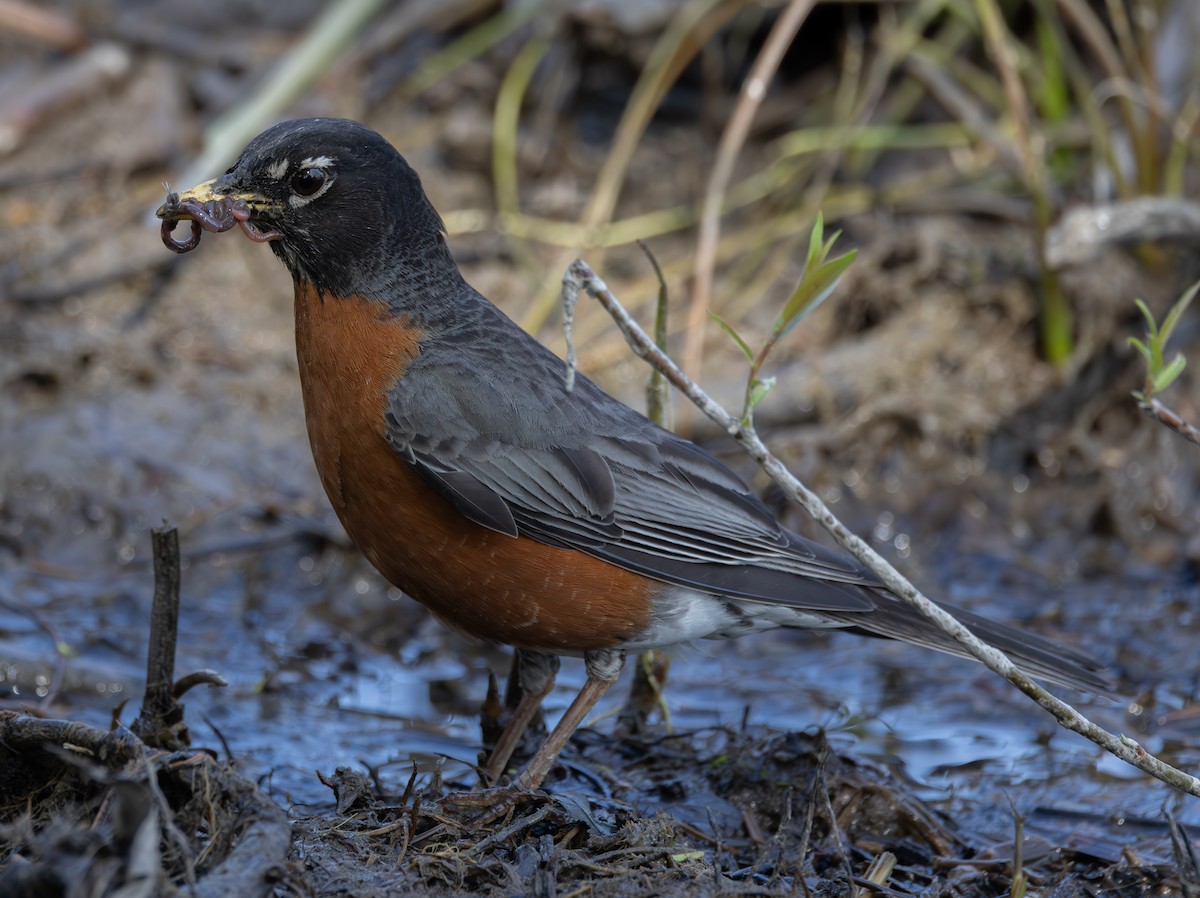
1056	325
471	45
505	122
505	136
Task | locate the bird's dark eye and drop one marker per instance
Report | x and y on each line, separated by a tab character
307	182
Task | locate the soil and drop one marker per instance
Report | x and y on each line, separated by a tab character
137	386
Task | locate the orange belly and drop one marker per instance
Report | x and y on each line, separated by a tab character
490	585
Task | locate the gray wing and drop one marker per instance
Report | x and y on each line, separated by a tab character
582	471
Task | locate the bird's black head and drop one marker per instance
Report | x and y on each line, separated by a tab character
342	209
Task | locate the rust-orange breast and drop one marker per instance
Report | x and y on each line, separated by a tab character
516	591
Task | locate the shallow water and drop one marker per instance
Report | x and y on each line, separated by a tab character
328	667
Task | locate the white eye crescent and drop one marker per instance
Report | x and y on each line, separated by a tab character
307	183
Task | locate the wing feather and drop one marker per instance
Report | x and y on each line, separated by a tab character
639	497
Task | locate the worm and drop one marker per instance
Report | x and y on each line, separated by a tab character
181	246
212	215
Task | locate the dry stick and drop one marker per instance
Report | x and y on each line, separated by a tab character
581	277
732	139
1170	418
161	713
1085	232
164	620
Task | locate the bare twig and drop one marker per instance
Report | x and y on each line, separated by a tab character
580	277
1170	418
187	683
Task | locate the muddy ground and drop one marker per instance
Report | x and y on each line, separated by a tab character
137	386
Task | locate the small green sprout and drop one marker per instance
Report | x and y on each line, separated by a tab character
818	280
1160	374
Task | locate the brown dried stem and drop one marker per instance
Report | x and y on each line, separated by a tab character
754	90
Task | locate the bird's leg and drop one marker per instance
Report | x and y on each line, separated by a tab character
535	672
603	668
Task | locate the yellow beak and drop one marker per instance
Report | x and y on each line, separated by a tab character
211	206
181	206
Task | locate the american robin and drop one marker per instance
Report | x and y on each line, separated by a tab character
561	522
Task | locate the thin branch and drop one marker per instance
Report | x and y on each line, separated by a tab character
580	277
1171	419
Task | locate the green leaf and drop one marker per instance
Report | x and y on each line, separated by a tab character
1167	375
737	338
1151	324
1139	346
1160	375
1177	310
814	242
814	288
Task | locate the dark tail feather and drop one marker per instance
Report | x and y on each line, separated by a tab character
1038	657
